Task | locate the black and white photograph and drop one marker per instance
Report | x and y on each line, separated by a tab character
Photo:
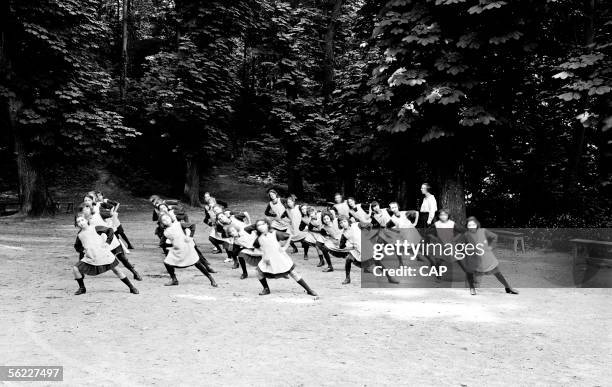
306	193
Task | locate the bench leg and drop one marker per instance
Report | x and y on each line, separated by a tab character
523	245
515	246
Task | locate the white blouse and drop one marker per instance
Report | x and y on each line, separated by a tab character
429	204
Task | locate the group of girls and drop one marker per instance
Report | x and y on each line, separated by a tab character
257	244
337	231
334	231
175	235
98	243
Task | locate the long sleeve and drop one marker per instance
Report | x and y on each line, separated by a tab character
269	212
155	216
241	216
250	228
109	204
491	237
282	236
78	245
222	203
189	226
343	241
106	230
375	223
459	229
106	206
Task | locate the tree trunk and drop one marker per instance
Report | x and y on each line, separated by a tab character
32	189
452	190
192	181
589	28
295	182
124	50
451	179
328	68
347	175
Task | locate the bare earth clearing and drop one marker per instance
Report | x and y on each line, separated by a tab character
197	335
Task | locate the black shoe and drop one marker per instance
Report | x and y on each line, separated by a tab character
173	282
133	290
137	276
210	269
213	283
264	292
511	291
328	269
295	250
243	276
367	270
321	263
346	281
80	291
472	291
236	265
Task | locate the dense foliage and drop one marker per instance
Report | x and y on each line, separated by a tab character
503	106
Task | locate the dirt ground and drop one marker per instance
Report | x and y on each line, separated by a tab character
194	334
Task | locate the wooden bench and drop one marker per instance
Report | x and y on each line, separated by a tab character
9	208
581	250
69	206
516	238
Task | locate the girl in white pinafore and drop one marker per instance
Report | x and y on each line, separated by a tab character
356	212
292	217
182	254
332	234
96	220
275	262
276	210
96	255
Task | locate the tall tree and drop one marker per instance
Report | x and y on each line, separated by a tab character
53	89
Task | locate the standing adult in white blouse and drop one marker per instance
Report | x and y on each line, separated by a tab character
429	207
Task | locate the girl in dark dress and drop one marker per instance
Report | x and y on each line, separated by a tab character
444	232
114	207
485	263
350	241
340	206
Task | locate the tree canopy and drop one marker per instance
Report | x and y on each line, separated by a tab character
502	106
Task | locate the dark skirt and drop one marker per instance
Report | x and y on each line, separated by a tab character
250	256
276	275
422	223
87	269
338	254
